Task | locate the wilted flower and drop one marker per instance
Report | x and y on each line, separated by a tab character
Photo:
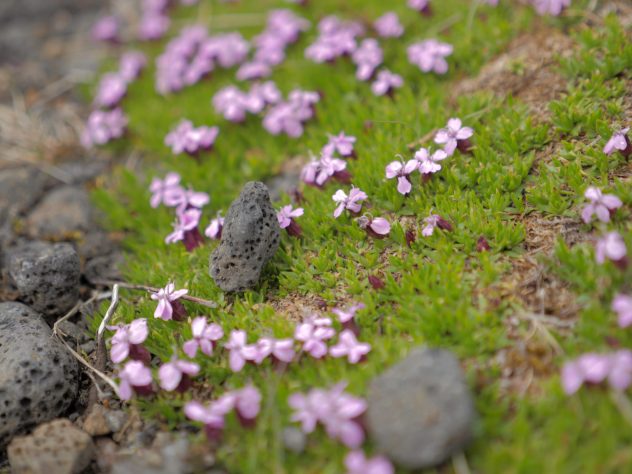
127	339
357	463
214	230
168	306
612	247
352	202
205	336
401	170
429	55
386	82
388	26
134	377
376	282
482	245
453	136
286	216
350	347
622	305
175	374
619	141
432	221
601	205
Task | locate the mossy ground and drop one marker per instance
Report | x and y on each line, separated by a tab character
525	171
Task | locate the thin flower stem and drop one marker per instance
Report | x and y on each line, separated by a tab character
151	289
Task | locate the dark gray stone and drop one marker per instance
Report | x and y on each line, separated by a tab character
104	268
21	188
421	411
65	213
45	275
81	171
250	237
38	377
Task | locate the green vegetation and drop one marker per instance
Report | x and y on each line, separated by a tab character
440	291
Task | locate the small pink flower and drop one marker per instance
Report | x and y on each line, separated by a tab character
185	138
313	332
349	346
185	199
619	141
172	374
386	82
377	227
231	103
429	55
185	229
352	202
344	316
106	29
134	377
367	57
612	247
204	337
153	26
341	143
240	352
357	463
329	167
281	350
422	6
601	205
131	65
166	297
103	126
622	305
428	163
401	170
247	404
286	216
454	135
550	7
432	221
388	26
112	88
160	188
211	415
214	230
620	376
126	337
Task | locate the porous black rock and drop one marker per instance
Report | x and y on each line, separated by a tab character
250	237
38	377
420	411
45	275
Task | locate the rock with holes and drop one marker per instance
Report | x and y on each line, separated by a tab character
421	411
56	447
38	377
45	275
250	237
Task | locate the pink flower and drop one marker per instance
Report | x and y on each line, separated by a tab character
429	55
165	297
550	7
103	126
253	70
211	415
357	463
204	337
106	29
620	376
172	374
153	26
432	221
329	167
185	138
422	6
281	350
214	230
240	352
308	409
377	227
185	229
131	65
612	247
185	199
231	103
112	88
367	58
349	346
286	215
596	368
388	26
386	82
352	202
163	187
134	377
601	205
126	337
247	403
401	170
313	332
341	143
618	141
454	135
427	163
622	305
347	315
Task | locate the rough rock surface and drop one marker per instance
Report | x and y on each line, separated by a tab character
420	410
62	214
101	421
46	276
250	237
57	447
38	378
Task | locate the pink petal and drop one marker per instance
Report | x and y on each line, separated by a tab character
189	368
380	226
190	347
198	325
119	352
169	376
138	331
403	185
